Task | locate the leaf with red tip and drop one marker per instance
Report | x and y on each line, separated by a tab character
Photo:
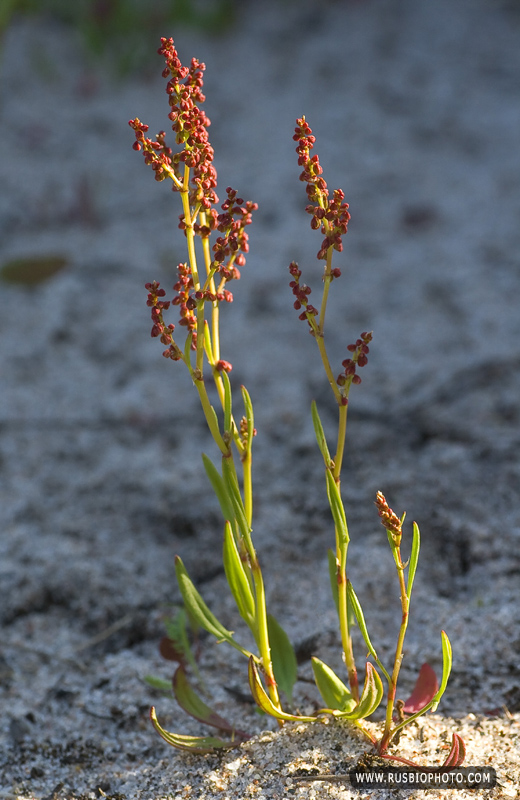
424	690
191	703
457	753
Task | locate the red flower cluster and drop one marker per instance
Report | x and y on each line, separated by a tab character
359	358
234	242
190	125
159	327
185	300
389	518
330	217
156	153
301	291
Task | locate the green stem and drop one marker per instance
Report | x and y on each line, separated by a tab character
388	733
346	639
262	630
342	430
248	484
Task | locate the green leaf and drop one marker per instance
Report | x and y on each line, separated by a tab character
193	744
414	557
248	407
196	606
333	575
370	698
358	611
233	492
446	669
334	692
158	683
237	579
263	700
220	489
338	512
283	657
191	703
320	435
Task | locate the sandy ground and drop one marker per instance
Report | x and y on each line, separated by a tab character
416	107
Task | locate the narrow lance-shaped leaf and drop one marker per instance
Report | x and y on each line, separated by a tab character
336	506
446	668
248	408
283	657
414	557
220	489
192	744
199	610
263	700
333	691
192	704
233	492
238	580
360	618
160	684
320	435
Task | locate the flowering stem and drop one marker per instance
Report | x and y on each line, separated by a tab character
340	449
393	527
388	732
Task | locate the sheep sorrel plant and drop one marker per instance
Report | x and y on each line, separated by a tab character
200	292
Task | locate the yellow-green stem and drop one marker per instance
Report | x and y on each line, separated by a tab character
248	485
405	604
346	639
327	282
262	631
342	430
326	364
